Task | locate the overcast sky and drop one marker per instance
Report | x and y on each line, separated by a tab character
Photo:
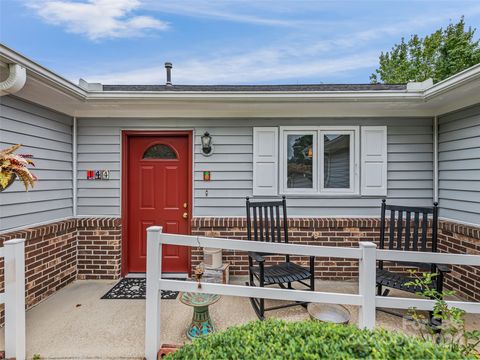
219	42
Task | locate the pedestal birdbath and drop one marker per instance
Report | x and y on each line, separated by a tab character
201	323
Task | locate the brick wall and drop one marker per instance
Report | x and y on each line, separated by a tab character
99	248
461	239
58	253
454	238
50	259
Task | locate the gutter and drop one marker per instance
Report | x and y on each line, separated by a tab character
15	81
453	82
11	56
371	96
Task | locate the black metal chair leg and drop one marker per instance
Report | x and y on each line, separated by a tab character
312	273
379	290
262	284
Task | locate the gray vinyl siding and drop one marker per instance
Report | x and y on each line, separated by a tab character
459	165
47	135
410	165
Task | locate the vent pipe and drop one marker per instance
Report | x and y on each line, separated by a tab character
168	68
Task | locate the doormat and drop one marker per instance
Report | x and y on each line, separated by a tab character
133	289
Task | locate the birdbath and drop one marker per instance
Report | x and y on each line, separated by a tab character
201	323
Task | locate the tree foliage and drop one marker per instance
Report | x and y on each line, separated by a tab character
437	56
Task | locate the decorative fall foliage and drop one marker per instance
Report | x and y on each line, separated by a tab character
12	165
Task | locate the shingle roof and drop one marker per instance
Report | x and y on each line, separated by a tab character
262	88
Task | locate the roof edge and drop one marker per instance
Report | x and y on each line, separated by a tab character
9	55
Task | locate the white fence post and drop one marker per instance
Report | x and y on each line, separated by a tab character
14	270
367	284
152	310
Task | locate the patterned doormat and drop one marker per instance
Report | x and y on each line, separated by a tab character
133	289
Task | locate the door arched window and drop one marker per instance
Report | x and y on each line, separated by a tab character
159	151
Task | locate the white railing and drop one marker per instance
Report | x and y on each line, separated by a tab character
366	299
13	253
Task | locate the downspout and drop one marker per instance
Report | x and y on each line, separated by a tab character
435	158
15	81
74	165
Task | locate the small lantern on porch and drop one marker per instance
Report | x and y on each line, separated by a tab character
206	144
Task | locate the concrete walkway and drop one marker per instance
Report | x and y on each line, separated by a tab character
75	323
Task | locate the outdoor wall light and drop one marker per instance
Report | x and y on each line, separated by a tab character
207	144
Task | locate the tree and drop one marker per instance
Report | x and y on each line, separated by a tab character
437	56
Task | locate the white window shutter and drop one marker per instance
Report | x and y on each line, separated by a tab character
374	160
265	161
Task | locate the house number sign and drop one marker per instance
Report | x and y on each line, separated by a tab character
98	174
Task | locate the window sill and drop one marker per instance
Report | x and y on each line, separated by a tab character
325	195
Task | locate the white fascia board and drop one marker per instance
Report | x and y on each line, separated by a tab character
341	96
33	68
454	81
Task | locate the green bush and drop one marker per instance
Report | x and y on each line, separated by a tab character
275	339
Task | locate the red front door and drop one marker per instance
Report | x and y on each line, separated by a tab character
158	183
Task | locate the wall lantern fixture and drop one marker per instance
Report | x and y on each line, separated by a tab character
207	144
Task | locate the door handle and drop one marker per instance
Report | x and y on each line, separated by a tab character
185	215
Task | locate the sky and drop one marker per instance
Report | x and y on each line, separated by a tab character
219	42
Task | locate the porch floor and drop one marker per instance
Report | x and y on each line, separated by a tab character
75	323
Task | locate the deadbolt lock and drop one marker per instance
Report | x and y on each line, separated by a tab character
185	215
185	205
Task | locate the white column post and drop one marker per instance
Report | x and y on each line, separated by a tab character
435	158
14	269
153	309
367	284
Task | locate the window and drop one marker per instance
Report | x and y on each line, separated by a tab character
159	151
300	161
319	160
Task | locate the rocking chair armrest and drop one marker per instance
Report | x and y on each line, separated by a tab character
256	256
443	268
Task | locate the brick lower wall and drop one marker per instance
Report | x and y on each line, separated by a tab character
99	244
58	253
90	248
452	237
461	239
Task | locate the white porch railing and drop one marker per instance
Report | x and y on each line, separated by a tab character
366	299
13	253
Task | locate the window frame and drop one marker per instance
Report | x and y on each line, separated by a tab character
284	160
318	164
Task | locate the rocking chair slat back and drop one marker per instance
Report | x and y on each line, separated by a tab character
267	223
400	235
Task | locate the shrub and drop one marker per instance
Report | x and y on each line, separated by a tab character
276	339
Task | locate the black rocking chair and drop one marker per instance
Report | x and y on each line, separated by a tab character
267	226
400	237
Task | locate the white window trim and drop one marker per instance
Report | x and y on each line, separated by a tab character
318	167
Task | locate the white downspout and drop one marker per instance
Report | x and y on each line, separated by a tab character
74	165
15	81
435	158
